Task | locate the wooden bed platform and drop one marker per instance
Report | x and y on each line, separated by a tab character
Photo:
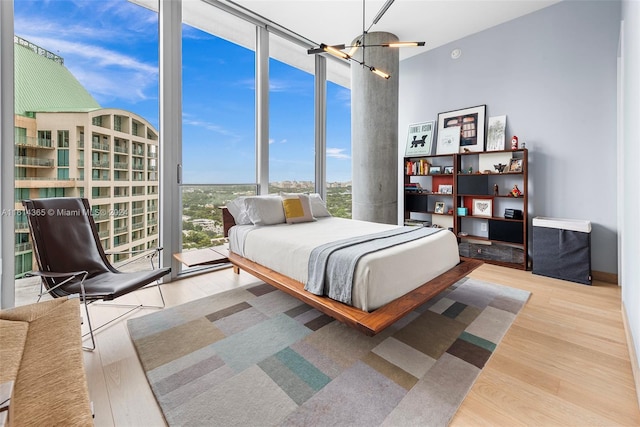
369	323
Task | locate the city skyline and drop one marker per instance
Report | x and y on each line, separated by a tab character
111	47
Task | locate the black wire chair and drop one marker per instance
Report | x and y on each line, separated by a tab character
71	259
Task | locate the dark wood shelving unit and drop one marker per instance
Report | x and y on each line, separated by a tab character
501	241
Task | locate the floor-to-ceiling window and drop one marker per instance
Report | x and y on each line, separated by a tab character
338	155
86	113
218	121
291	120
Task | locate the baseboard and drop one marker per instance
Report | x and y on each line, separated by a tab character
635	368
602	276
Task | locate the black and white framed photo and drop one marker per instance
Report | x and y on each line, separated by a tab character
496	133
445	189
419	139
448	170
448	140
439	208
482	207
471	123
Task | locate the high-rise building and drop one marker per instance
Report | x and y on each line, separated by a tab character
67	145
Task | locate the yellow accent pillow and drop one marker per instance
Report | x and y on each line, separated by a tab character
297	208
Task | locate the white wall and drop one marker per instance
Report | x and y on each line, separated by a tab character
630	169
553	73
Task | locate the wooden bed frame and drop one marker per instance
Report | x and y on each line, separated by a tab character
369	323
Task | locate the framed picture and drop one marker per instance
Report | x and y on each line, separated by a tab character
448	140
435	170
471	122
445	189
448	170
419	139
495	133
482	207
439	208
515	165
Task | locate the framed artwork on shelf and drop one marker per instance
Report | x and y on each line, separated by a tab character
435	170
471	123
439	208
445	189
419	139
448	140
482	207
496	133
515	165
448	170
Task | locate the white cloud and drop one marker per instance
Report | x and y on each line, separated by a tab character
337	153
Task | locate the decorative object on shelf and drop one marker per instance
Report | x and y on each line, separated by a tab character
448	170
470	170
512	213
462	211
445	189
496	133
448	140
515	165
523	145
482	207
471	122
439	208
435	170
360	43
495	189
514	142
515	191
500	167
419	139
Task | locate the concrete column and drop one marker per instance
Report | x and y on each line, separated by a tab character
374	132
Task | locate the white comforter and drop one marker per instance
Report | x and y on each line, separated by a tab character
380	277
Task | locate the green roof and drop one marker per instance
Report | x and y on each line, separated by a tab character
42	84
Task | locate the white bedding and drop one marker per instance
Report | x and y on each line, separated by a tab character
380	277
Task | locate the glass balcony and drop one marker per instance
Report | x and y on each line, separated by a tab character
33	161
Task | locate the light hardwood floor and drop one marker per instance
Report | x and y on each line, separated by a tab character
564	362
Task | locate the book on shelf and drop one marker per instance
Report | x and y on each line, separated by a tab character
416	167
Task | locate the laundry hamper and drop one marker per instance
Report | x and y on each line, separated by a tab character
562	249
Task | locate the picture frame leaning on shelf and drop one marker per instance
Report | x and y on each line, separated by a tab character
420	139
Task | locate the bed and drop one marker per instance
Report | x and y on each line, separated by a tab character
387	284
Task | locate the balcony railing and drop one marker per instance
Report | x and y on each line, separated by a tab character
81	143
103	234
152	208
121	165
137	211
152	222
120	230
33	161
137	225
23	247
80	163
100	196
99	146
103	164
137	167
32	141
119	149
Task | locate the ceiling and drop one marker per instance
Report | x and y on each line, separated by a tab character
437	22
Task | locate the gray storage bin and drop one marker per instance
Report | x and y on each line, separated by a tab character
562	249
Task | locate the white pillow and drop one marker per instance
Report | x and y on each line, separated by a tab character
237	210
297	208
264	210
318	207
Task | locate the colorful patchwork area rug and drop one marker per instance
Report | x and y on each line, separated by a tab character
256	356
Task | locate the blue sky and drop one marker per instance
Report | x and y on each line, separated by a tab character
111	47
